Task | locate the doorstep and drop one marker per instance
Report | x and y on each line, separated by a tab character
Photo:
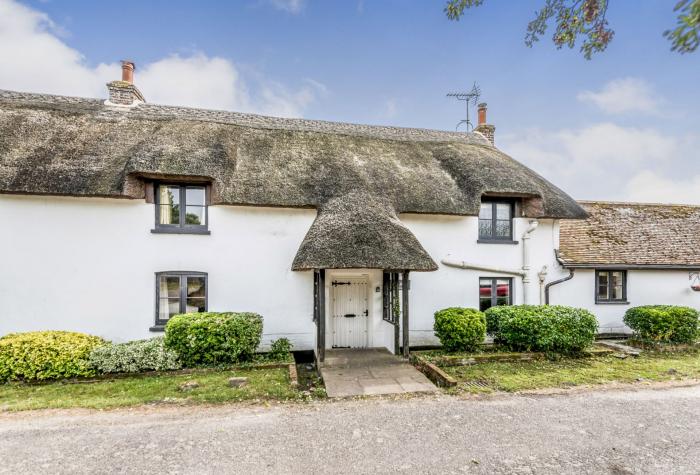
369	372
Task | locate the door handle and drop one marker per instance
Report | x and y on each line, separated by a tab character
366	312
349	315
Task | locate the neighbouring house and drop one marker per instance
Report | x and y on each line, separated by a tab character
628	254
118	214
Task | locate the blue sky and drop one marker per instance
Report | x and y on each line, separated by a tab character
623	126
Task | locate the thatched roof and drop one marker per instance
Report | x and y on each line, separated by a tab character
81	147
632	235
364	230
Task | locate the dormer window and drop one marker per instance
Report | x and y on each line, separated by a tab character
496	221
181	209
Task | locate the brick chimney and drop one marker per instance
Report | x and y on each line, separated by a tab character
124	93
483	128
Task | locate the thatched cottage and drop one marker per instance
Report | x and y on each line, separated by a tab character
118	214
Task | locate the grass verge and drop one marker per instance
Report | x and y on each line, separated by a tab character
568	372
263	385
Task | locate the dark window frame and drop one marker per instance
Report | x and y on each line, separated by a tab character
609	300
182	227
494	290
160	324
493	238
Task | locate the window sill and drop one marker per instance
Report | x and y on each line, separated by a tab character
496	241
180	231
157	328
613	302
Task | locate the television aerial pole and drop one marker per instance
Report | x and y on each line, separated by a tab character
470	97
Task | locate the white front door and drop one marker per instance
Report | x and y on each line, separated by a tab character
350	311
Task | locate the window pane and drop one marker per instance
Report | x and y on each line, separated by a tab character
503	211
485	286
485	212
616	285
195	287
169	199
169	286
603	286
167	308
484	228
195	305
195	215
194	196
502	229
503	292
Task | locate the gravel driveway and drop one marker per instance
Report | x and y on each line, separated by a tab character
643	431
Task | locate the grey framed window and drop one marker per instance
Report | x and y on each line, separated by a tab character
611	286
496	221
181	209
495	291
179	292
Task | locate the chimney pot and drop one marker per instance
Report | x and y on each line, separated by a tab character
128	71
482	113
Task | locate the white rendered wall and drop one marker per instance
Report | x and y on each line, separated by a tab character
89	264
456	237
644	287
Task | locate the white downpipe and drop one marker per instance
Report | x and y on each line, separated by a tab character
526	260
542	275
466	265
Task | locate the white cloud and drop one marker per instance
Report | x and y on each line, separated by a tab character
44	63
648	186
600	161
290	6
624	95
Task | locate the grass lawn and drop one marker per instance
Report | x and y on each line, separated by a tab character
263	384
567	372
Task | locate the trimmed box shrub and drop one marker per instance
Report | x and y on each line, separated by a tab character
546	328
46	355
663	323
210	339
460	329
135	357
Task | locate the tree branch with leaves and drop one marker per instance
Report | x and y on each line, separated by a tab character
586	19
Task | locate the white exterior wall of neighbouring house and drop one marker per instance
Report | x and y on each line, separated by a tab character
89	264
456	237
644	287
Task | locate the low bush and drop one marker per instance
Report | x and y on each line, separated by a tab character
46	355
134	357
546	328
663	323
210	339
460	329
280	350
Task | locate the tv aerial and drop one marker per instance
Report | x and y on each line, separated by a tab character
470	97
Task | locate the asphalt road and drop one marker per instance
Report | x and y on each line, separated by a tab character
642	431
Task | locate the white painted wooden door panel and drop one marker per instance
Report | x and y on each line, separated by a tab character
350	312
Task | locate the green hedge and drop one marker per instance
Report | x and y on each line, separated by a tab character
664	323
134	357
46	355
547	328
460	329
209	339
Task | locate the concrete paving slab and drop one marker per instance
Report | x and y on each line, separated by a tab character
372	371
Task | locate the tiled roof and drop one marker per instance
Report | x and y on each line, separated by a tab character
632	234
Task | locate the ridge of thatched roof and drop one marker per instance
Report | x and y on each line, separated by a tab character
632	235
